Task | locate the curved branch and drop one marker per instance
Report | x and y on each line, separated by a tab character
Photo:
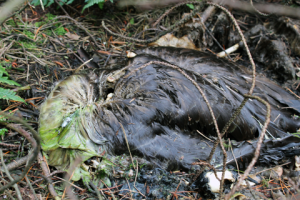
35	142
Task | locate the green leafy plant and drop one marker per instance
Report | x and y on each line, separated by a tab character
90	3
226	145
7	93
2	132
131	165
296	134
131	21
60	31
191	6
265	183
28	34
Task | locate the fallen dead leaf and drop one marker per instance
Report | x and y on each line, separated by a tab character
72	36
172	41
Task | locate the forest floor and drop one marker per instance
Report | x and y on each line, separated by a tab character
38	48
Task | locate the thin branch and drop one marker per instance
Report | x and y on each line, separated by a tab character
36	148
168	11
16	163
171	28
9	176
127	144
46	173
62	8
257	150
30	186
280	10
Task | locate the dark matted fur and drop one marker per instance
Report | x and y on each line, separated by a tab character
161	110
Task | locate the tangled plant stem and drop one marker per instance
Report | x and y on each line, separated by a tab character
35	142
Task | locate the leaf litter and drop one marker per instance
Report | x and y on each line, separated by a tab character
39	69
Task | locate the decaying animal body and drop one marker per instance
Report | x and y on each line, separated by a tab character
159	110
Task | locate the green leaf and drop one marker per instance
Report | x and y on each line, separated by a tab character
191	6
70	1
91	3
296	134
49	16
9	95
2	71
101	4
48	3
36	2
131	21
9	82
112	1
38	24
3	131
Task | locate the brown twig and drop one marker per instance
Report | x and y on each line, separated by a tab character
207	13
51	174
20	130
46	173
245	44
103	189
62	8
80	26
136	173
16	163
257	150
263	14
264	8
213	37
9	176
107	188
239	5
78	12
68	176
96	190
201	162
237	166
30	186
236	113
168	11
292	92
171	28
11	146
123	130
35	142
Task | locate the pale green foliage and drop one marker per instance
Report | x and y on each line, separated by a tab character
191	6
131	21
3	131
7	93
296	134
